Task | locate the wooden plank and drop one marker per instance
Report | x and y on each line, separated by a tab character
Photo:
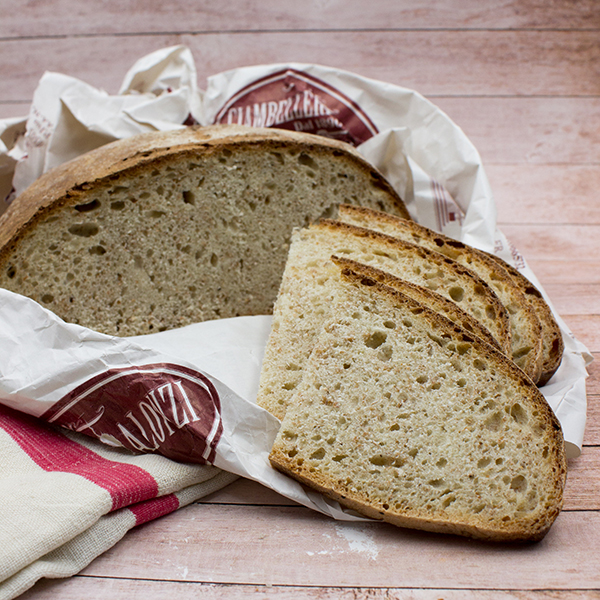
70	17
292	546
436	63
104	587
556	242
583	485
529	131
582	298
550	194
569	270
586	329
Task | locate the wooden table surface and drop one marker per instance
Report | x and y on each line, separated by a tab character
522	78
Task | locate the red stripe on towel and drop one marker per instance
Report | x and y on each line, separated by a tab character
127	484
152	509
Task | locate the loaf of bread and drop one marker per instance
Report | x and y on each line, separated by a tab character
403	416
166	229
525	327
307	289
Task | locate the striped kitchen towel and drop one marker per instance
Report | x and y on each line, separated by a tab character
66	498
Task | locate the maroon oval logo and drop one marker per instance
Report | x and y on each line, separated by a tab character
291	99
163	408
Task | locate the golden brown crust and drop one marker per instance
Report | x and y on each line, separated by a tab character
553	343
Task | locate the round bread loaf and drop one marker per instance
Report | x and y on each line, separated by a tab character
165	229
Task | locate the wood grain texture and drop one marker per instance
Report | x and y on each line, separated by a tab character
80	587
48	18
546	194
473	63
292	546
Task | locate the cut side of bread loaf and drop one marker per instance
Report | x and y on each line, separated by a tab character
403	416
165	229
553	345
525	327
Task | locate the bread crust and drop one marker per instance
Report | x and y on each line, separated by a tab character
553	345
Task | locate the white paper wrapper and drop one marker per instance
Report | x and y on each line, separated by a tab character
429	160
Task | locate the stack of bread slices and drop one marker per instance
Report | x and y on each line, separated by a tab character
403	366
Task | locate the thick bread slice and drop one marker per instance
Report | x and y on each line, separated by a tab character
525	327
307	289
403	416
433	300
553	345
302	307
413	263
165	229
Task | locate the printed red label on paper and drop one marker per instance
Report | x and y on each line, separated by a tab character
291	99
163	408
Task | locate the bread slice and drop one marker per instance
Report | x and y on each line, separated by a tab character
403	416
525	327
553	345
169	228
309	284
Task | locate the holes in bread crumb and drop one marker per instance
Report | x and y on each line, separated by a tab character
307	161
290	385
479	364
117	205
189	197
385	353
84	229
214	259
519	414
339	457
11	271
47	298
376	339
97	250
484	462
462	348
88	206
441	463
518	484
156	214
436	483
456	293
318	454
494	421
490	312
389	324
382	460
448	501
